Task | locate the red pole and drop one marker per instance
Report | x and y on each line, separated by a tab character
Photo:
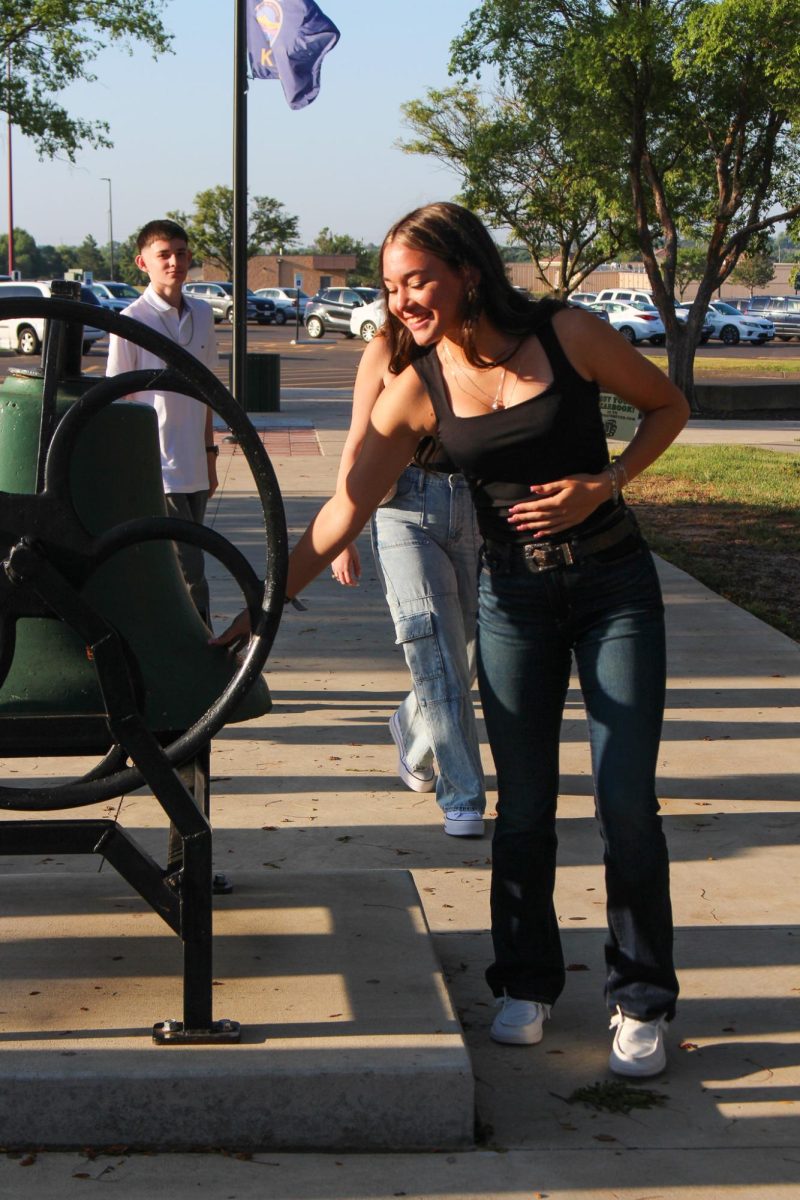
10	175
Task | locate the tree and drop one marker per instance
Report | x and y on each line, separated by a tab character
366	271
794	277
26	253
50	45
523	166
689	266
210	227
90	257
754	271
699	100
126	269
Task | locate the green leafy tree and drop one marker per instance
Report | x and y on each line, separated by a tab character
51	44
522	162
366	270
689	266
26	253
210	227
794	277
90	257
698	101
514	254
125	267
754	271
52	263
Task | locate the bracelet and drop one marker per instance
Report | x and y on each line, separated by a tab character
612	470
213	450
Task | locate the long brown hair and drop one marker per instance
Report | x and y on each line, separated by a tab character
458	238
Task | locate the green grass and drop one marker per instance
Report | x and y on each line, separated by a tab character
729	516
763	368
734	474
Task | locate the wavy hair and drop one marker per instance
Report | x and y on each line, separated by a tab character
456	236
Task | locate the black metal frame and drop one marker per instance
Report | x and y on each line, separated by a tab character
48	556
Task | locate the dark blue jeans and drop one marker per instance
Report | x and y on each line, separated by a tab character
608	613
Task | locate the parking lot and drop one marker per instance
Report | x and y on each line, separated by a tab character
331	362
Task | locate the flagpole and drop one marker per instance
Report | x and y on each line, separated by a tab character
239	349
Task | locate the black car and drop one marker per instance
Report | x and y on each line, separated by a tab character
333	307
783	311
265	309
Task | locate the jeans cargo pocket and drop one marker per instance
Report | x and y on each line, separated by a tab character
416	635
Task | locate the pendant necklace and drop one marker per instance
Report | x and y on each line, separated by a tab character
496	401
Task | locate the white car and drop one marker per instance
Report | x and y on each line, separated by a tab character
367	320
24	335
583	298
286	301
636	322
732	326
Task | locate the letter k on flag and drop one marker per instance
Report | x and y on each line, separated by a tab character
287	40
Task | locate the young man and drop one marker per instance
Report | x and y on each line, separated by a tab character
188	454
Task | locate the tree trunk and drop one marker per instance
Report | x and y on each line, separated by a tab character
680	355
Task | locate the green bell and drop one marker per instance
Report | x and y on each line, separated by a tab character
115	477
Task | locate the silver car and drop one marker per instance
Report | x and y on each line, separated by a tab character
220	297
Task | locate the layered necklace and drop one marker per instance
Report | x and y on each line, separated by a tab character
494	402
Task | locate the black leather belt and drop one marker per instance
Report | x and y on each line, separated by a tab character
547	556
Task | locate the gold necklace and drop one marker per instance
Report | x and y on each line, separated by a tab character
496	401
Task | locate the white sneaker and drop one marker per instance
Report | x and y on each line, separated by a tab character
467	822
519	1022
638	1046
423	779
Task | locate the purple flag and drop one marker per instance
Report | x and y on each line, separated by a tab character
287	40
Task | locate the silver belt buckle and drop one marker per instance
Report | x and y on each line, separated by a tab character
547	558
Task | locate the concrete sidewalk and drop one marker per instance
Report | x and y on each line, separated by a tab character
310	792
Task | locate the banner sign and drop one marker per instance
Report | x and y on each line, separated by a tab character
619	418
287	40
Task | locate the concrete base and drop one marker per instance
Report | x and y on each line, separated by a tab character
734	398
349	1037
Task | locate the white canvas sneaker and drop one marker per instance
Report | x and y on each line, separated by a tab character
465	823
423	779
519	1022
638	1046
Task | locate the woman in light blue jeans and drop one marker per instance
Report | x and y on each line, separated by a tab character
426	544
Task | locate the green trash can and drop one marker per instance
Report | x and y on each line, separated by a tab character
262	382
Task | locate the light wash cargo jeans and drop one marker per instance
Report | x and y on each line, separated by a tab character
426	544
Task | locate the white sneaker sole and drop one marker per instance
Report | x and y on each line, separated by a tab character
517	1035
416	783
463	828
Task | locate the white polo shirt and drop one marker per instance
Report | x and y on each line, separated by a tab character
181	420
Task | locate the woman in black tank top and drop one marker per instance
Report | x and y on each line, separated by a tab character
511	389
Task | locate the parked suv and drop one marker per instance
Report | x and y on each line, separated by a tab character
783	311
332	308
220	297
23	335
624	296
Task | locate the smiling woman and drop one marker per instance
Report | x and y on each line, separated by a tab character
510	388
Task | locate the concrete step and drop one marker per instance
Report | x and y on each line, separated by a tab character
349	1039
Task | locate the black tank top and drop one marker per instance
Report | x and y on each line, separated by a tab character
501	453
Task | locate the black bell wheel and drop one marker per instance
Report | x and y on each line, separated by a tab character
264	599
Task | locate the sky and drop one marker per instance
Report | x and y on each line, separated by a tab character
334	163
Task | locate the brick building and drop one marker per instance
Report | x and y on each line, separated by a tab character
273	270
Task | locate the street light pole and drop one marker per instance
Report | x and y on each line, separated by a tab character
105	179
